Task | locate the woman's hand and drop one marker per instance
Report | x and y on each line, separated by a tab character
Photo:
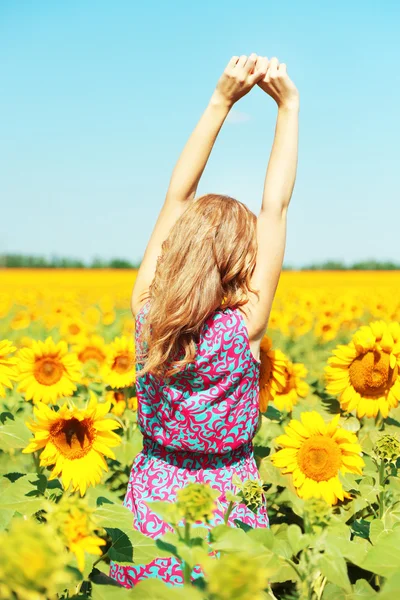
277	82
240	75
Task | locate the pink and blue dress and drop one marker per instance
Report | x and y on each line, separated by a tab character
197	425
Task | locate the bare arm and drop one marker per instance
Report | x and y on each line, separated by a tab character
278	187
236	81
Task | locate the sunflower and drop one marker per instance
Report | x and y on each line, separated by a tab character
74	440
366	371
272	372
119	402
119	369
75	521
73	328
21	320
295	386
47	371
92	353
8	369
314	452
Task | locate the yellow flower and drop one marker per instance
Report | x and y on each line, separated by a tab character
119	369
251	491
33	562
314	452
366	371
118	402
75	520
73	328
92	353
196	502
295	387
47	371
272	372
8	369
21	320
133	403
74	440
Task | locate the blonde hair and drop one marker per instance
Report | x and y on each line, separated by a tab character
206	263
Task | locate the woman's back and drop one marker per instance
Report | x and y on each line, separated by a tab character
211	406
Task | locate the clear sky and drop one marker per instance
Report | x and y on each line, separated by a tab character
98	98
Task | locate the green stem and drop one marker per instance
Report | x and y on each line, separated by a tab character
102	557
382	492
187	570
294	567
228	511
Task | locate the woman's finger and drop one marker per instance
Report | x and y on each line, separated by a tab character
273	65
251	61
242	61
232	62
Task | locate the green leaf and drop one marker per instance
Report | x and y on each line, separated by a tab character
334	567
13	496
376	528
108	592
153	589
297	540
168	511
391	588
363	591
228	539
121	549
112	516
14	435
384	557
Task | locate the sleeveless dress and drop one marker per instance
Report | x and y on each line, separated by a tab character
197	426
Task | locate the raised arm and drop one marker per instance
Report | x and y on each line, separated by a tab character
278	187
238	78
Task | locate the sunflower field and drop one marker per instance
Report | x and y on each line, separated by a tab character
327	447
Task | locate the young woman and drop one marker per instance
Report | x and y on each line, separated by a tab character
201	301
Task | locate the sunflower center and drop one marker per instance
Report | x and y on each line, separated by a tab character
73	438
118	397
319	458
371	375
48	370
265	369
123	362
74	329
91	353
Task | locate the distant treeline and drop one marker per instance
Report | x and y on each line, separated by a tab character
40	262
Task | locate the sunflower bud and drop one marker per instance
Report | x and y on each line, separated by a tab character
388	448
237	576
251	490
196	502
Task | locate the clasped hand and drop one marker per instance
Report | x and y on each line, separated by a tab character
244	72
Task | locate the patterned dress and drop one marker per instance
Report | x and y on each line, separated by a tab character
198	426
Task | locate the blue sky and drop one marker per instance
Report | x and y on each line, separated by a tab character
98	98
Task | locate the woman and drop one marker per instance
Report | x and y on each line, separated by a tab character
201	301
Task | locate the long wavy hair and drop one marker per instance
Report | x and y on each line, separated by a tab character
206	263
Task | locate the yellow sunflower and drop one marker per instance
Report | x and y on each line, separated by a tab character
119	403
366	371
92	353
119	369
314	452
295	387
47	371
8	369
74	519
272	372
73	328
74	440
